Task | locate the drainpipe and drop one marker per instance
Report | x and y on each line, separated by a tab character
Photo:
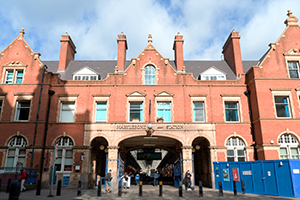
38	190
247	93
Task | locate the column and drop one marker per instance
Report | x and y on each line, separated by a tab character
187	162
113	165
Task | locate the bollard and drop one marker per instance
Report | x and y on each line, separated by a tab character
79	188
160	188
141	189
120	189
220	189
58	190
180	189
234	188
99	189
14	190
243	186
38	188
8	185
200	189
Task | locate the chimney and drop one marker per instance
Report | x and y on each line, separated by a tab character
67	52
122	47
232	52
178	48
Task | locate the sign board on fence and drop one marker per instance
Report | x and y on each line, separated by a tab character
226	174
66	180
235	174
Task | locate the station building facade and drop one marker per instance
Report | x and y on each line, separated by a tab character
98	111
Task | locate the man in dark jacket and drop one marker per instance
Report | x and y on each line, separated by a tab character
188	183
108	178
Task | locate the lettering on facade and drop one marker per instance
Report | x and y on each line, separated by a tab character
131	127
174	127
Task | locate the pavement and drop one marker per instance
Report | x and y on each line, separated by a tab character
149	192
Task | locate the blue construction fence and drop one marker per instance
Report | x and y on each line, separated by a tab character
14	173
269	177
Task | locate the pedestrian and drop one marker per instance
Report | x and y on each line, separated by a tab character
125	179
188	176
137	178
108	178
156	175
23	178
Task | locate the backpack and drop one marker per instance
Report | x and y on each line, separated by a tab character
126	178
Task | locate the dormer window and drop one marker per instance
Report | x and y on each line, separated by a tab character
86	74
212	74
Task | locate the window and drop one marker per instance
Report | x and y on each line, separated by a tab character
235	149
288	147
136	112
149	75
1	102
16	152
231	112
14	76
293	69
164	110
101	111
86	77
213	77
64	159
67	112
282	106
198	110
22	111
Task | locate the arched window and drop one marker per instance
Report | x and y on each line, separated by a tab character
64	159
149	75
288	147
235	149
16	152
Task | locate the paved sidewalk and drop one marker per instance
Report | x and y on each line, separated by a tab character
149	192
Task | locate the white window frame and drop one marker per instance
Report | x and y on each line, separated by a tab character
288	141
68	146
85	77
15	76
237	108
288	104
96	108
194	110
240	145
141	111
13	145
72	110
18	110
298	72
146	75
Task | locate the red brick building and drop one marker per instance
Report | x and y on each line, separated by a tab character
201	111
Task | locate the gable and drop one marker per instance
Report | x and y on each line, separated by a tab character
164	93
213	71
85	71
136	93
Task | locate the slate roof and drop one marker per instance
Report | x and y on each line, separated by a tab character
104	67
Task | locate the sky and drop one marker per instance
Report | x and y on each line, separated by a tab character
95	24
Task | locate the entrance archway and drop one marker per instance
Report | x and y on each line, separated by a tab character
146	154
98	158
202	161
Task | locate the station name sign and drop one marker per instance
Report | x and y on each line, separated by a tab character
144	127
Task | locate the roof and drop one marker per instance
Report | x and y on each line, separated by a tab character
104	67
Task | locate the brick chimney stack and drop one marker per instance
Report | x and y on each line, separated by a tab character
178	50
232	52
122	47
67	52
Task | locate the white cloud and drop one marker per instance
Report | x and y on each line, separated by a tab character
94	25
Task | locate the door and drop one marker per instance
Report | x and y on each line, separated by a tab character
178	171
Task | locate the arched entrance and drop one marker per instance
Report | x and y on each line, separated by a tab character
146	154
202	161
98	158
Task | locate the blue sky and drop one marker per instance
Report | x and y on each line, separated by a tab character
94	25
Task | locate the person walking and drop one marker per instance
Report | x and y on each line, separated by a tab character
23	178
188	176
155	176
137	178
125	179
108	178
